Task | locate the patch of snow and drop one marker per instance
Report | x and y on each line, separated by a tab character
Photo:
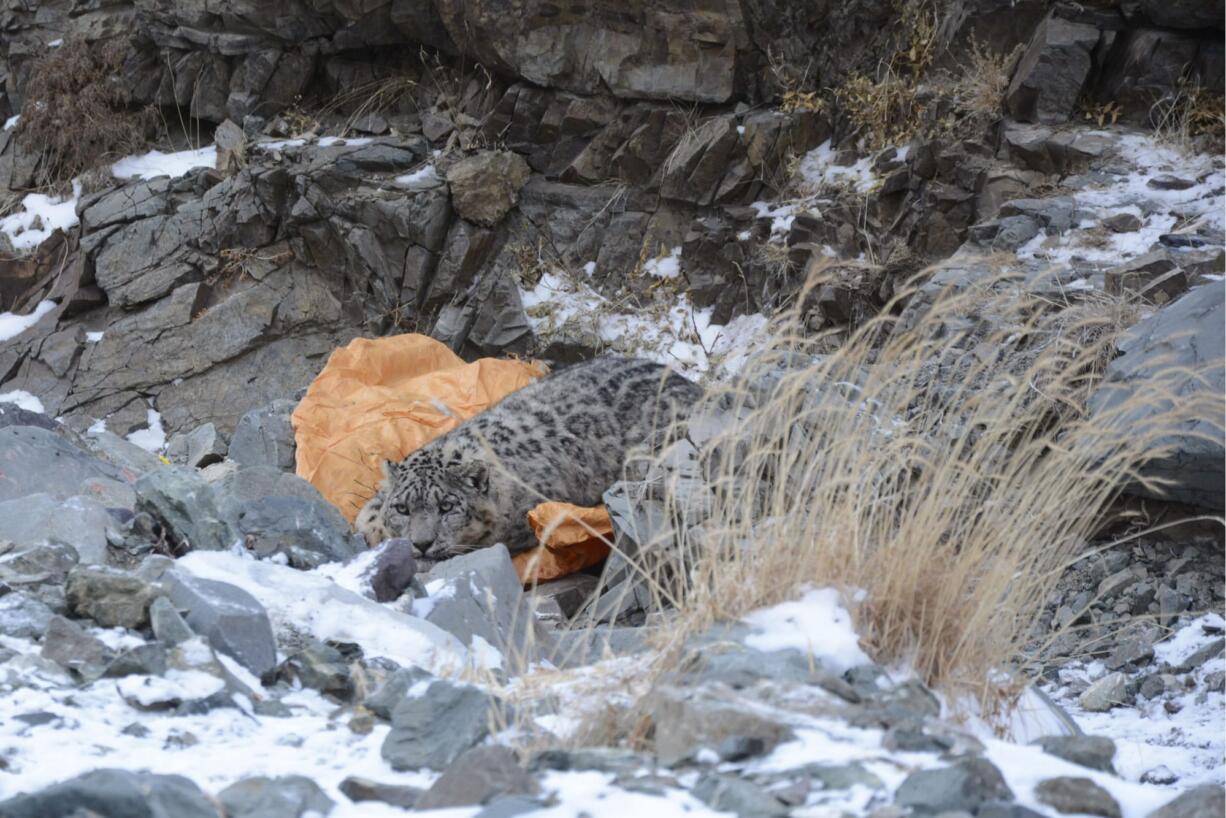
94	337
740	129
816	624
153	437
23	400
818	170
424	177
484	654
183	685
310	602
781	216
97	427
12	325
155	163
279	144
744	235
1190	742
668	266
673	333
11	122
593	795
589	269
330	141
56	43
49	213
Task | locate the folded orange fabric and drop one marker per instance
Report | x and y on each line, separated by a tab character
380	399
572	538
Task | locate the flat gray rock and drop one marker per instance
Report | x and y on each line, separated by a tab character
232	620
114	794
432	726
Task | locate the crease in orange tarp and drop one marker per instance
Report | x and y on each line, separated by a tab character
380	399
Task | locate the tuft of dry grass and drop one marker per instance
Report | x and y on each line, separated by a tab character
1190	112
78	110
942	474
984	80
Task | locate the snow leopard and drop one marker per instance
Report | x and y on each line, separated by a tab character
563	437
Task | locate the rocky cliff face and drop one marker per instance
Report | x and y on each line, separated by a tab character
485	145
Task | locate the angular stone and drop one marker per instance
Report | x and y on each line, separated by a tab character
264	437
1077	795
142	660
320	667
486	186
110	597
38	461
202	446
69	646
1206	801
290	796
738	796
363	789
1189	334
478	776
1049	79
232	620
690	720
963	786
308	533
168	625
1106	693
1095	752
24	616
185	504
481	599
431	728
115	794
80	522
393	571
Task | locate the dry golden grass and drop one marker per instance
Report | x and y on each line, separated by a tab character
1190	112
941	475
78	110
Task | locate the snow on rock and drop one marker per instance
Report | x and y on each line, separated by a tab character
39	217
156	163
11	122
1191	741
153	437
816	624
677	334
24	400
310	602
424	177
667	266
94	337
106	731
819	171
593	794
12	325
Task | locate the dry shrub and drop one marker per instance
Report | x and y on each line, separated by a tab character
984	80
941	472
1190	112
79	111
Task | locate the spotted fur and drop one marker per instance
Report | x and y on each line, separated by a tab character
564	437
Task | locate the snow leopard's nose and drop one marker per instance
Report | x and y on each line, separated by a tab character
423	547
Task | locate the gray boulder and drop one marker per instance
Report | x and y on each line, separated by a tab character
124	455
290	796
42	462
477	777
114	794
689	720
308	532
431	728
736	795
363	789
185	504
486	186
23	616
482	599
1206	801
1095	752
202	446
963	786
1067	794
264	437
232	620
1049	79
1190	333
169	627
110	597
394	689
1108	692
68	645
81	522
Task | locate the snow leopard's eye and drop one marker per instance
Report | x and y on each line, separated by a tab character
401	508
446	506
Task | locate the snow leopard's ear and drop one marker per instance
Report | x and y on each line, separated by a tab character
474	476
388	467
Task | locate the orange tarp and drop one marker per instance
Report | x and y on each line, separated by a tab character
381	399
572	537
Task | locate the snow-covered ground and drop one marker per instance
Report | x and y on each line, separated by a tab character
39	217
155	163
